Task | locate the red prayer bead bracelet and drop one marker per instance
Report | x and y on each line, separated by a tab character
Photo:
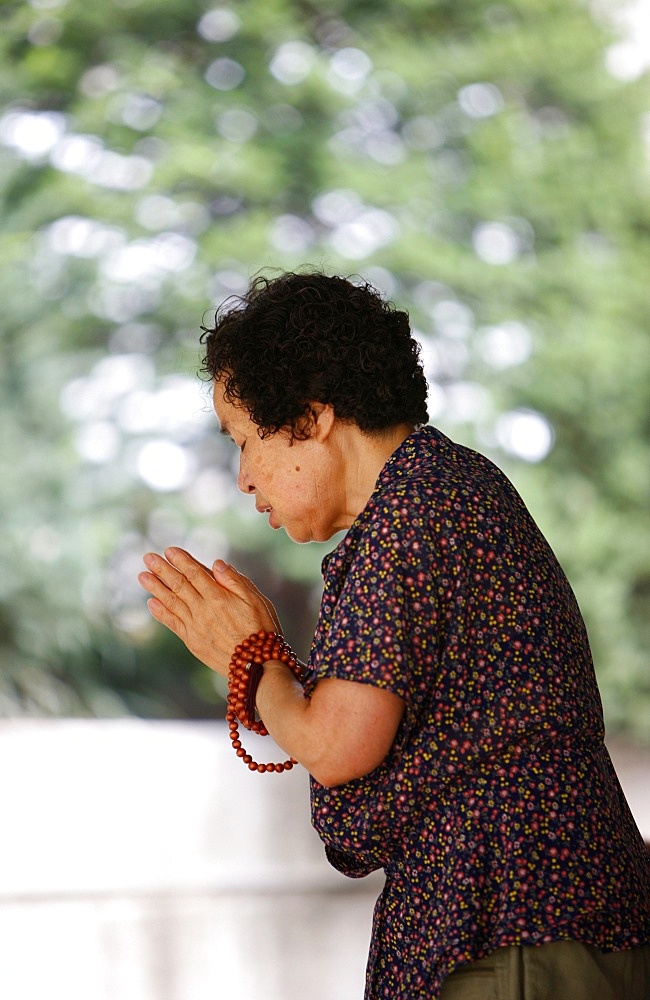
244	675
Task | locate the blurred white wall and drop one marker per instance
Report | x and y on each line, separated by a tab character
143	861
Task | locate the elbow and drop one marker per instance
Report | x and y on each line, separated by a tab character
329	774
327	779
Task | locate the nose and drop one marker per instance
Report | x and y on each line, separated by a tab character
244	481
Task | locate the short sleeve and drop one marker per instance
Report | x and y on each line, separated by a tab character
385	611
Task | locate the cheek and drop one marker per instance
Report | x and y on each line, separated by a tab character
293	492
316	491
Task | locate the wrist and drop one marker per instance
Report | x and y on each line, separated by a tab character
263	651
273	670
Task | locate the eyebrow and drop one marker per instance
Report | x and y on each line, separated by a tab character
225	431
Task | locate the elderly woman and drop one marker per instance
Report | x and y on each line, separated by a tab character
448	715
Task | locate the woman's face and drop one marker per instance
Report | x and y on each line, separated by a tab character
293	482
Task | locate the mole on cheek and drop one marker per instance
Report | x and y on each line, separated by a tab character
297	468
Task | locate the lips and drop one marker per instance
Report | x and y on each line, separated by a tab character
266	508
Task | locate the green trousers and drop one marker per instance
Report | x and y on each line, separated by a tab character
563	970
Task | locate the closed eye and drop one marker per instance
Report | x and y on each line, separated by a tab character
226	433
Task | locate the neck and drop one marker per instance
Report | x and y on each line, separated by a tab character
362	457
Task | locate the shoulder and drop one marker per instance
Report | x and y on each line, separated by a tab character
437	477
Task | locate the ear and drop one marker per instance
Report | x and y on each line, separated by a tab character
323	418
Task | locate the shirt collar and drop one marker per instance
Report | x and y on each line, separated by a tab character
408	456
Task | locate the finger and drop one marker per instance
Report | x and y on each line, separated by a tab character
245	590
174	580
163	596
244	587
198	575
228	578
162	614
266	602
169	586
249	583
159	606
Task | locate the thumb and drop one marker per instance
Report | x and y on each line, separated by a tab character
228	577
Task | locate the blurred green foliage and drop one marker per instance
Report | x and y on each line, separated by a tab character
479	162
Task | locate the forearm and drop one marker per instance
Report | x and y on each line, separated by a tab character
342	732
289	716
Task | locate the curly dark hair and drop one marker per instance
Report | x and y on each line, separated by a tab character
310	337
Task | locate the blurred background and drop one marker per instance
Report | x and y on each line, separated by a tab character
484	164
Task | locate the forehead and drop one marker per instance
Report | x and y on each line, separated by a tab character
233	419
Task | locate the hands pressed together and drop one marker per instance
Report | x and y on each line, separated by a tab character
343	731
210	610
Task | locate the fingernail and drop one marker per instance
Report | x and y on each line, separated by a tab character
219	566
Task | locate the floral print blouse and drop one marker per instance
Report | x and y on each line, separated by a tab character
497	815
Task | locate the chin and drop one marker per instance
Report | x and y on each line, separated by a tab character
303	535
299	537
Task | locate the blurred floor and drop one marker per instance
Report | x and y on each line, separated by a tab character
142	861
